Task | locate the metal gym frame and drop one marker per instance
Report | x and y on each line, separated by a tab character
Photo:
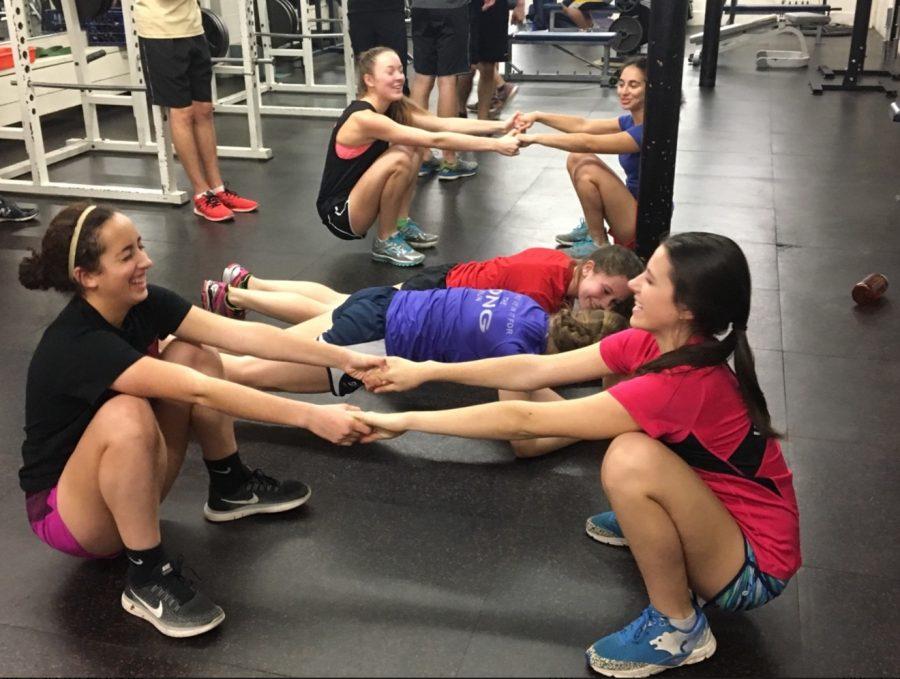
239	101
30	132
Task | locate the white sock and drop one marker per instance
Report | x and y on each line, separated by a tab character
200	195
219	189
684	624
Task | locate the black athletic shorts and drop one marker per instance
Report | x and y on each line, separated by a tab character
337	219
440	41
376	28
177	70
429	278
491	42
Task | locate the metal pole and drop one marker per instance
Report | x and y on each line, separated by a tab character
856	62
665	66
709	54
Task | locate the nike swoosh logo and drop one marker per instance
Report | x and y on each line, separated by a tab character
139	562
252	501
217	471
156	611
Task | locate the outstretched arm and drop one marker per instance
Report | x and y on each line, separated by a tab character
524	372
591	418
266	341
543	445
565	123
620	142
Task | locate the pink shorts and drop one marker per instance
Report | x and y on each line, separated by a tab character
48	525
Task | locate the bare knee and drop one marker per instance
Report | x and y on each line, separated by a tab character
182	116
129	425
197	357
202	111
628	461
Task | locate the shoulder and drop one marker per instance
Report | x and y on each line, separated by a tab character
626	351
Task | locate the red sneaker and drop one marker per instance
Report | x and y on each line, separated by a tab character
210	207
235	202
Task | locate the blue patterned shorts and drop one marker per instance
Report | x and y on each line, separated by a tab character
750	588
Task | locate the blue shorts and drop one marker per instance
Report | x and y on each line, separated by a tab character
750	588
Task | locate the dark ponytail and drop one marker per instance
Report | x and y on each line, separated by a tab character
712	279
49	268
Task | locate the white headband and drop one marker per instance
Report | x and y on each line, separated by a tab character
73	245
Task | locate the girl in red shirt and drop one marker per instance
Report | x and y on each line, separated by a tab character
699	488
550	277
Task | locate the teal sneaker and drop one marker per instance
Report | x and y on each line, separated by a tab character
461	168
577	235
604	528
414	235
581	250
651	644
394	250
429	167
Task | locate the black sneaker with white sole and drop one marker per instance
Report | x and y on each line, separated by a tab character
260	494
10	212
171	603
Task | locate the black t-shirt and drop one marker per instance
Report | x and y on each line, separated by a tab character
339	176
358	6
76	361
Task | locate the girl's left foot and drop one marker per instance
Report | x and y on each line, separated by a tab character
413	234
214	298
651	644
236	276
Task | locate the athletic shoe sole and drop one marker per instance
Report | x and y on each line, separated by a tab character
252	209
603	536
213	219
395	262
240	512
699	654
568	242
421	246
19	219
454	177
137	609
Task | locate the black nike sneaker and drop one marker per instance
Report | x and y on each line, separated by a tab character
260	494
171	603
10	212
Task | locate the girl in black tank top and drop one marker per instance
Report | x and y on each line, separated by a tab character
374	154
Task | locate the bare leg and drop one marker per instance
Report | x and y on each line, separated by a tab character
464	89
680	534
316	291
604	198
448	107
214	430
486	88
578	18
420	93
406	201
205	134
290	307
182	125
540	446
382	190
110	490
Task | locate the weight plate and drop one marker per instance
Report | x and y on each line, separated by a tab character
216	33
629	33
627	6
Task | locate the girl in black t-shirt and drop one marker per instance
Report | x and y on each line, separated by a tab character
374	155
111	400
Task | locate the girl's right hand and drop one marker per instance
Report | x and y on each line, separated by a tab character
399	374
383	425
507	145
525	120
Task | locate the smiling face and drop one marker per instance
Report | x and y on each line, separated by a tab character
631	88
386	77
599	290
655	309
121	279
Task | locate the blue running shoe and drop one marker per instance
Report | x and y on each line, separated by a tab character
394	250
413	234
577	235
581	250
429	167
461	168
604	528
651	644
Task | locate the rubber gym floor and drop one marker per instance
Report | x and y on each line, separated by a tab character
438	556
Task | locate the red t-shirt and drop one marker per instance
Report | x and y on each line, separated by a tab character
541	273
699	413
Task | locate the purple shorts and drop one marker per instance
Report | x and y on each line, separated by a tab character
48	525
